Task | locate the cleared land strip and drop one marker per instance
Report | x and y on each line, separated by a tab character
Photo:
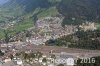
59	50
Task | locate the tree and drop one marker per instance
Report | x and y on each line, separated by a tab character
11	56
39	55
53	56
32	55
44	60
1	53
6	36
28	34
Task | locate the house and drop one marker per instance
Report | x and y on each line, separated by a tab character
88	26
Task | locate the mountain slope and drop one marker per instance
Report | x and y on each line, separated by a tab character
27	5
31	10
80	10
20	7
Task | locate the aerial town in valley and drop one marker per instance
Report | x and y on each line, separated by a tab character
32	51
49	32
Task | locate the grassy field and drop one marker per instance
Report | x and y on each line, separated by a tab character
24	25
52	11
98	26
1	34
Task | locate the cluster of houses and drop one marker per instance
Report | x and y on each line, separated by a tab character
51	55
11	22
11	62
50	28
7	25
11	49
88	26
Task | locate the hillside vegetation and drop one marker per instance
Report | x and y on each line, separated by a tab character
83	40
79	10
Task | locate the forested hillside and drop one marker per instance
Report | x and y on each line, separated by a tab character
83	40
80	10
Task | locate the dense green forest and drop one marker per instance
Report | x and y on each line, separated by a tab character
81	10
81	39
